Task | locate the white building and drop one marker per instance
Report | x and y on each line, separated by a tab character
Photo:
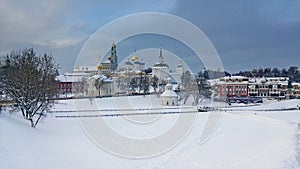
177	75
99	86
268	87
160	69
169	97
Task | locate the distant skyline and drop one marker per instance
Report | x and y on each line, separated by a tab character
246	34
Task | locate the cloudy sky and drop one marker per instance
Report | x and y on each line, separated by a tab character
246	34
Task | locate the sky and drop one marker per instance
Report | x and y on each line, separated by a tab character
246	34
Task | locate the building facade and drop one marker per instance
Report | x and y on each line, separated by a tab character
160	69
169	97
235	86
265	87
268	87
72	84
99	86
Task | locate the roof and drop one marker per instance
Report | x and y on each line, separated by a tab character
98	76
160	65
70	78
84	68
233	77
139	62
128	63
106	62
104	78
269	80
231	80
168	93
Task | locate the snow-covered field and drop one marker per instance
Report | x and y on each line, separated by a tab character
251	138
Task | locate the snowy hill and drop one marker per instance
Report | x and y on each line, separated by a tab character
265	140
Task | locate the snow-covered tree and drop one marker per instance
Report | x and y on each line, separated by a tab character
98	85
189	87
145	84
204	87
30	81
195	86
154	83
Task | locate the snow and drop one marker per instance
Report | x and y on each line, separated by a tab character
243	139
74	77
169	93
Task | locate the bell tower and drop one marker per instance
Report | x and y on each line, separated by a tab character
114	57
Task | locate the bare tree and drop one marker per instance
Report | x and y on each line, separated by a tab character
30	81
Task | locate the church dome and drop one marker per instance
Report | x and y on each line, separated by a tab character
99	67
134	58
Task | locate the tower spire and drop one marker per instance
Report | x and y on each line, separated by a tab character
160	52
160	57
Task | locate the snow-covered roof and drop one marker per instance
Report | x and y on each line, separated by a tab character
233	77
131	72
296	84
98	76
106	62
76	74
232	80
245	80
169	90
270	80
71	78
84	68
277	78
160	65
102	77
128	62
168	93
139	62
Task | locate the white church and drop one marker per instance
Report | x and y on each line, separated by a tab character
162	71
169	97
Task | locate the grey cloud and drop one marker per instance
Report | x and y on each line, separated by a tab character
248	33
31	22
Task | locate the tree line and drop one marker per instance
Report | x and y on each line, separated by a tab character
292	72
